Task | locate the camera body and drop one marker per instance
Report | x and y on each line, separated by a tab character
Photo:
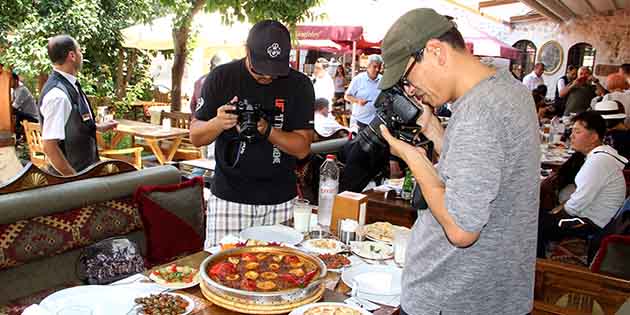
399	114
249	113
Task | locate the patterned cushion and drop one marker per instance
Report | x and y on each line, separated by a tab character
34	238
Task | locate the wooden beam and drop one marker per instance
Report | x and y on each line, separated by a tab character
6	124
542	10
494	3
589	5
475	11
527	18
559	9
614	4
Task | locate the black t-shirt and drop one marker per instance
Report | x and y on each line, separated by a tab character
264	174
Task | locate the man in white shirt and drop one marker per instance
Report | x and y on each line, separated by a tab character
363	91
534	79
600	185
325	125
323	84
68	122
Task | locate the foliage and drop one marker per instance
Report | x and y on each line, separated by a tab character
95	25
290	12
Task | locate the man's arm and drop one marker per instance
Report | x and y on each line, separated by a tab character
355	100
296	143
56	157
206	132
566	89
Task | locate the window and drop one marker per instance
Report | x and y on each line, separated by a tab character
521	67
582	55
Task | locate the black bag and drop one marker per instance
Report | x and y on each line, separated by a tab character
109	260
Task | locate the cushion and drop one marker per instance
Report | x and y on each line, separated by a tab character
613	256
174	219
39	237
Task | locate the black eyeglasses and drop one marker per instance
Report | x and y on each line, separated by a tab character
417	57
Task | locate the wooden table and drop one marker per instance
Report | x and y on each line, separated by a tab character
384	207
153	135
205	307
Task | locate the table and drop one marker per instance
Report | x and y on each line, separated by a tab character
153	135
385	207
205	164
207	308
553	156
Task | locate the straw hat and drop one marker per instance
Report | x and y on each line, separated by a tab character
610	110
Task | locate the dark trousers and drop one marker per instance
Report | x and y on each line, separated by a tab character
548	229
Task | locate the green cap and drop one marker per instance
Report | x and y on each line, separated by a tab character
410	33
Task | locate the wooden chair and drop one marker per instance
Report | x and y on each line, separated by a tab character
33	133
131	155
568	289
186	150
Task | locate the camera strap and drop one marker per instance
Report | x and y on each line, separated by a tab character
235	156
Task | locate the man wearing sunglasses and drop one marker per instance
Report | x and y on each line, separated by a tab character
474	251
259	189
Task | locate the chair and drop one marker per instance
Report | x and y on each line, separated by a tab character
186	150
131	155
36	153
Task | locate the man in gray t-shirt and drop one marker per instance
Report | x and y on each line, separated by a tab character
474	251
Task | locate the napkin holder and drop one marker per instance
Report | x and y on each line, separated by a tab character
349	205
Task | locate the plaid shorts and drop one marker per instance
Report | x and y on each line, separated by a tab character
226	217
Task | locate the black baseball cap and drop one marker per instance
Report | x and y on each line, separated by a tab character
269	45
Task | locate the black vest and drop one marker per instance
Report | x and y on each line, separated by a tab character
79	146
560	102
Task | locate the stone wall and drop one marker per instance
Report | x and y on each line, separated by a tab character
609	35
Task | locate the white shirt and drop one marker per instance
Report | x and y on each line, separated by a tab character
326	126
532	81
560	85
56	110
600	186
325	88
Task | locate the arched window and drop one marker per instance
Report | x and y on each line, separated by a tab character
525	64
581	54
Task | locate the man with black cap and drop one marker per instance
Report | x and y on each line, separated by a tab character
474	251
254	182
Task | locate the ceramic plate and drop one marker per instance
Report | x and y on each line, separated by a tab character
189	308
329	305
273	233
377	280
372	250
176	285
323	246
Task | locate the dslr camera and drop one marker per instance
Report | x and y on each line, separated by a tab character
249	114
399	114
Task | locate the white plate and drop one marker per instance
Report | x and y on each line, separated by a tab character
372	250
377	280
178	286
189	308
310	246
302	309
273	233
100	299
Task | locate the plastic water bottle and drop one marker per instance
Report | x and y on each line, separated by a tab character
328	186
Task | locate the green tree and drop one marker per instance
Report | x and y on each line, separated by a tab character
289	12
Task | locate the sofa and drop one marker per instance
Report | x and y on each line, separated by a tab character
46	221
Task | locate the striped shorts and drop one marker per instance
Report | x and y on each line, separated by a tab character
226	217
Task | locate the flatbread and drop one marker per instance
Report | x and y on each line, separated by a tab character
332	310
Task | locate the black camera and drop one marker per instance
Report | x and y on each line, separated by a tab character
399	114
249	114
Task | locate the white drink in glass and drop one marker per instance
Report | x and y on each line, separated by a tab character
301	215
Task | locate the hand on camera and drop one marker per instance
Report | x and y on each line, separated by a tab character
262	126
224	118
398	147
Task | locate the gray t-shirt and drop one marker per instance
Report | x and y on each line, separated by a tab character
490	163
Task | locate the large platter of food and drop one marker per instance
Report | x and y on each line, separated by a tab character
175	277
262	275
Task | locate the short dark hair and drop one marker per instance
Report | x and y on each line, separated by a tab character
15	76
454	38
320	103
592	121
59	47
571	68
541	90
539	64
625	68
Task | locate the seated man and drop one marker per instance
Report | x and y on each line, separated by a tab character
325	125
600	185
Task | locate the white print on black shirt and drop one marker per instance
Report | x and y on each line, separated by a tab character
200	103
276	155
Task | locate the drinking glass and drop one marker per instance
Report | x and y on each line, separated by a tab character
166	124
401	239
301	215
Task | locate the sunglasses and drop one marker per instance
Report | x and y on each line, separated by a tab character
417	57
251	68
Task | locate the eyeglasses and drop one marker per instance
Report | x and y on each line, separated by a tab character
417	57
251	68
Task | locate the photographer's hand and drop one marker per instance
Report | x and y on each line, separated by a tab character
262	126
224	119
431	127
205	132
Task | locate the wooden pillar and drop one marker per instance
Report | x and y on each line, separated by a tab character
6	124
354	58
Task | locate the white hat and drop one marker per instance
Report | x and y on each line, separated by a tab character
610	110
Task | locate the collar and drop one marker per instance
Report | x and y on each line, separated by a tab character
534	73
378	77
68	76
598	148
